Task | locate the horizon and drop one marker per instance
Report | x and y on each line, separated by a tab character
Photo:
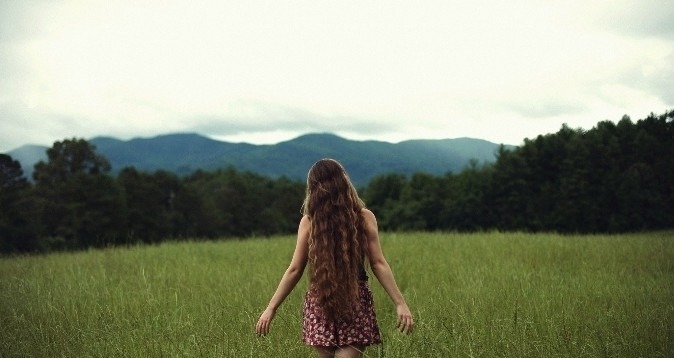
232	142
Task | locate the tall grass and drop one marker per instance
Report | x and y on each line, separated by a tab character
477	295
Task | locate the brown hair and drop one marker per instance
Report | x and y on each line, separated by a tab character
336	241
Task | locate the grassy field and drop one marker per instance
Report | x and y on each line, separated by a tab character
477	295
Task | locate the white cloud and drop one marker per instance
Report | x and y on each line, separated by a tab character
262	71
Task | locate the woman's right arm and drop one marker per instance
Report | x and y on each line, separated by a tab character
290	278
382	271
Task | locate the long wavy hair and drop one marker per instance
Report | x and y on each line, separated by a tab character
336	239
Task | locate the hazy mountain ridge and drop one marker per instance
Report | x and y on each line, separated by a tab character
186	152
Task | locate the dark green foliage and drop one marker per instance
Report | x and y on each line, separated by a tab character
463	206
79	205
208	205
237	204
383	196
17	232
149	200
69	158
611	178
11	177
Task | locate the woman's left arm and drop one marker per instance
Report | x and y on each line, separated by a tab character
290	278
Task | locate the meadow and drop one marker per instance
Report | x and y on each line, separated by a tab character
473	295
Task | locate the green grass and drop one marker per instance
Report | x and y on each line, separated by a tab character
477	295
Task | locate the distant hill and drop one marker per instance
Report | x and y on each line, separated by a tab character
185	153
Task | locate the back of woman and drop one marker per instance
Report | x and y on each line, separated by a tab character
338	309
335	235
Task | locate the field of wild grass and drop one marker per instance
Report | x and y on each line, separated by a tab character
475	295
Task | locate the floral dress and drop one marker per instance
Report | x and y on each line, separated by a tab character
362	330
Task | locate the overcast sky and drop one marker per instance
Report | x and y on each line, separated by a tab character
267	71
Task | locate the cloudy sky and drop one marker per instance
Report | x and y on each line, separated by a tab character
266	71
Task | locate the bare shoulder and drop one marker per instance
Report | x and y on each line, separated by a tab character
367	214
369	220
303	232
305	223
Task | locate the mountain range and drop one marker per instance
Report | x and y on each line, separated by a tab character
184	153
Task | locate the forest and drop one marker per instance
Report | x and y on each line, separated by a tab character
615	177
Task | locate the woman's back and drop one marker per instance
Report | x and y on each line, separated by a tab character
335	236
336	239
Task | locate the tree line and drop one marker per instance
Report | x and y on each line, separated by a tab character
615	177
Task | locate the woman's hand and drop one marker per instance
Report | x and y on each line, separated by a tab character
262	327
405	320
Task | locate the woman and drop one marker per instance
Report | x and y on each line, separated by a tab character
335	235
